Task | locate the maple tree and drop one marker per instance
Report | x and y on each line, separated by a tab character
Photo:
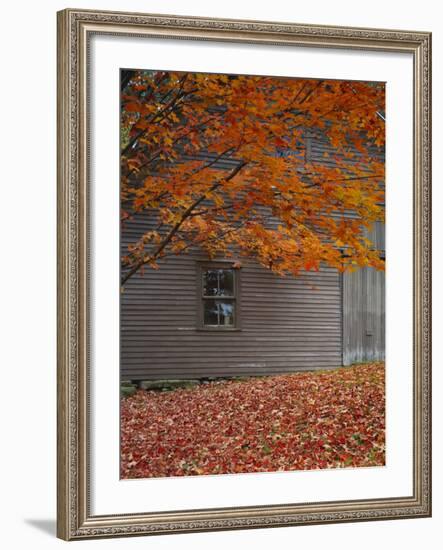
218	162
300	421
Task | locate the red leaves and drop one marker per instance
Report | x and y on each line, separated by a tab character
301	421
132	107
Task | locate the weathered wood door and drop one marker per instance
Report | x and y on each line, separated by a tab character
363	316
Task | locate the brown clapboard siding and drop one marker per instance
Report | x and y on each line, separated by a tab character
287	324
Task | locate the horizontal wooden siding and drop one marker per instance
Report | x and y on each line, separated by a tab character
287	323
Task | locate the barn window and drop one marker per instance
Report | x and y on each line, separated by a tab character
218	297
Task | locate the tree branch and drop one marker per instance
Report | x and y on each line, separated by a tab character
179	223
179	95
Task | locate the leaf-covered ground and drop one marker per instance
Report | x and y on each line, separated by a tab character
299	421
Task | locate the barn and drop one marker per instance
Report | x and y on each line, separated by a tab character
195	318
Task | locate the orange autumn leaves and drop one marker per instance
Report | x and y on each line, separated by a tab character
300	421
219	163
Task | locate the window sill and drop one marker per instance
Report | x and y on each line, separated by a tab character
214	329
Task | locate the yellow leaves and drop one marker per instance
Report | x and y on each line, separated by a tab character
133	164
218	199
153	264
173	117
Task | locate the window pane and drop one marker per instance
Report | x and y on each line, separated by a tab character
219	313
226	310
210	312
210	282
226	282
218	282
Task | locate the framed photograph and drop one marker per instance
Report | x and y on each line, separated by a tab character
243	274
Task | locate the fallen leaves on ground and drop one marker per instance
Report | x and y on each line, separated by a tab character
301	421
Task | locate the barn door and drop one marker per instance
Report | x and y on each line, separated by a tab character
363	316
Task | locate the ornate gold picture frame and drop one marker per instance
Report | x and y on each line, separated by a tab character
76	517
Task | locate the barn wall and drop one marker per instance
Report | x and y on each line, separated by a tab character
317	320
287	323
363	290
